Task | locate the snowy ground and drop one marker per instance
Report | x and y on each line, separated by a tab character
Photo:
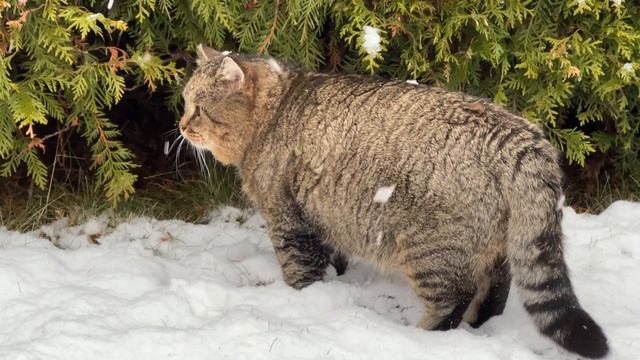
150	289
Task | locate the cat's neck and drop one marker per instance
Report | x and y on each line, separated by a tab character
269	96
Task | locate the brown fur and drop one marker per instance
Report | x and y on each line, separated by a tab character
474	184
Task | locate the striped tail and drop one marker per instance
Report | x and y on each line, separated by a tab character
537	266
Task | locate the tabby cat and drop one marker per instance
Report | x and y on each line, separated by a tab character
457	193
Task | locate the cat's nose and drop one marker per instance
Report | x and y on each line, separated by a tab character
184	122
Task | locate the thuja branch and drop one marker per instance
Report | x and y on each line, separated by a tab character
272	31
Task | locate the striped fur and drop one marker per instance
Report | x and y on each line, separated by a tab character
474	187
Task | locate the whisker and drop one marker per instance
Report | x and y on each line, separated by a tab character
202	163
182	139
194	150
203	155
171	132
173	143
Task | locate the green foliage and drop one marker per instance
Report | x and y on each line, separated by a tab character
59	66
570	65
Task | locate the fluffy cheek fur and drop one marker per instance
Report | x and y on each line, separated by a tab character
212	139
204	135
222	153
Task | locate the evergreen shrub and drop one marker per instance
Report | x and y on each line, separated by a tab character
572	66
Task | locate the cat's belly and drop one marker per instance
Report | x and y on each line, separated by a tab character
377	223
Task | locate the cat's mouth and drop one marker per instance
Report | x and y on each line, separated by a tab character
195	139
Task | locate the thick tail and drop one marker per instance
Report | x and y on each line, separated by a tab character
535	255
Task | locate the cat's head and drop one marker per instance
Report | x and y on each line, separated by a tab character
220	104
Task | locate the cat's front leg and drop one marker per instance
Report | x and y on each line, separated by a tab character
300	251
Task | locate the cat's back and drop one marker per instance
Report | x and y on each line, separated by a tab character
376	104
362	121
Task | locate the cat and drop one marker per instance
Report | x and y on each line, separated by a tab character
454	191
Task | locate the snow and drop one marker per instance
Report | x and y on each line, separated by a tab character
384	193
149	289
275	66
146	57
371	42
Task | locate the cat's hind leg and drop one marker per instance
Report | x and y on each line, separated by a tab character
439	275
496	295
445	301
340	261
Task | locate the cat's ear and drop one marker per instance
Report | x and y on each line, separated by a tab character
206	53
231	73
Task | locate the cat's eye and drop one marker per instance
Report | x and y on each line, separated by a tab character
211	118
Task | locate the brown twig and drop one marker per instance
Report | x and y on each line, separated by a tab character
267	40
132	88
63	130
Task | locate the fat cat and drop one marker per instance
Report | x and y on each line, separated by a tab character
454	191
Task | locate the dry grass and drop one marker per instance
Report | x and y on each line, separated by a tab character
189	197
597	195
